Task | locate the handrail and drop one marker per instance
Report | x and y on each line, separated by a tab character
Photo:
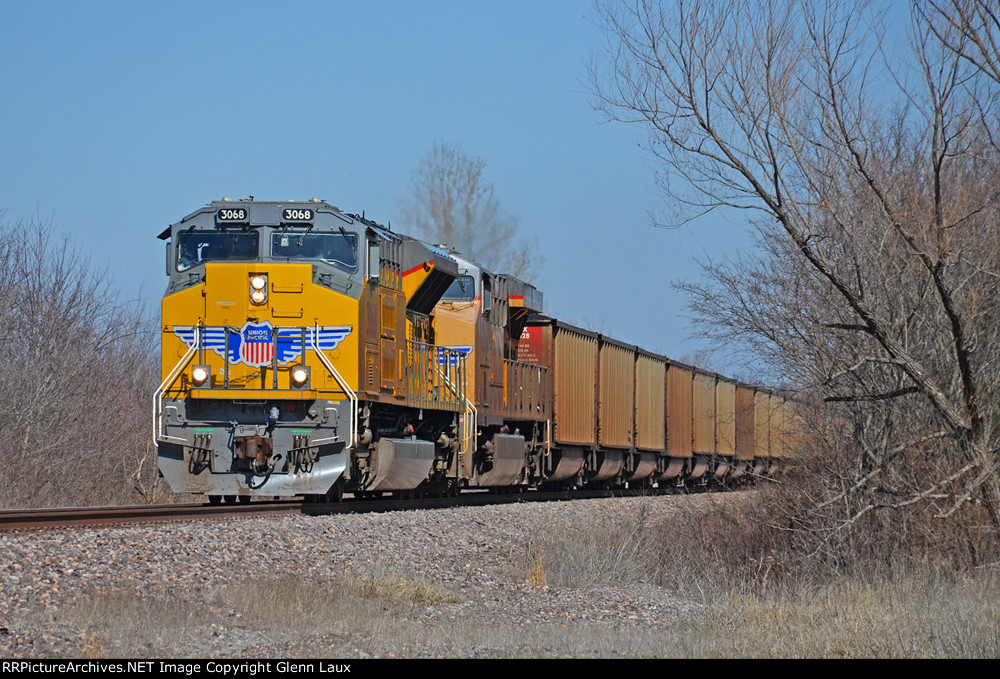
352	397
472	434
158	394
470	409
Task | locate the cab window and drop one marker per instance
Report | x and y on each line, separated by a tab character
339	249
462	288
198	247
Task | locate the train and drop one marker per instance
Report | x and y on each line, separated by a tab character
308	352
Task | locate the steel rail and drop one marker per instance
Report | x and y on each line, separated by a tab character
52	517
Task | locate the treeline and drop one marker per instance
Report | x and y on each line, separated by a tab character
77	373
866	152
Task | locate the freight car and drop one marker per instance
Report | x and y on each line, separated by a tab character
307	352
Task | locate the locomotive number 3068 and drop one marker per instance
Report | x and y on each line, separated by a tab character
232	214
296	215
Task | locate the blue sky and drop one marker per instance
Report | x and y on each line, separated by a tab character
118	118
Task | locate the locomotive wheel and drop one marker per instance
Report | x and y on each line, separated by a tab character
215	499
230	499
245	499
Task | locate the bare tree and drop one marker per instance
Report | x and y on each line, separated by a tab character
872	176
452	203
969	28
76	376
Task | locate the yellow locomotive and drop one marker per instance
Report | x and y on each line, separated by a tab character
307	351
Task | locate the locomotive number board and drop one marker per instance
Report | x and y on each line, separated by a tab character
296	214
233	215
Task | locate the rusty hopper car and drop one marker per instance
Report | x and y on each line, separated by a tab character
621	414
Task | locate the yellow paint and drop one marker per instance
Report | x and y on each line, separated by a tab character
280	394
455	325
293	301
414	278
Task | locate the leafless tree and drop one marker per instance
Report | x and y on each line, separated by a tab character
872	173
76	376
969	28
452	203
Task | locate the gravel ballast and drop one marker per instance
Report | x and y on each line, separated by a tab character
462	582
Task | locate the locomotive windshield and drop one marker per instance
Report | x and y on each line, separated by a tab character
339	249
198	247
461	289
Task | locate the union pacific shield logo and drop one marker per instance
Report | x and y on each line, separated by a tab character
257	348
256	344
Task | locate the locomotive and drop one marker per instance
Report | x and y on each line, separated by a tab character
307	352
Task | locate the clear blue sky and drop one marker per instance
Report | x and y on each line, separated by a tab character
118	118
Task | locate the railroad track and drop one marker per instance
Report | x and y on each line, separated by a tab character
23	519
19	519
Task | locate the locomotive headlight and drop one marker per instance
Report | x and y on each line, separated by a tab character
258	288
300	376
200	375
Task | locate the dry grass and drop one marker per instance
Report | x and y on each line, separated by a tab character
92	646
369	609
397	589
536	574
126	625
352	604
614	551
906	617
767	596
757	596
